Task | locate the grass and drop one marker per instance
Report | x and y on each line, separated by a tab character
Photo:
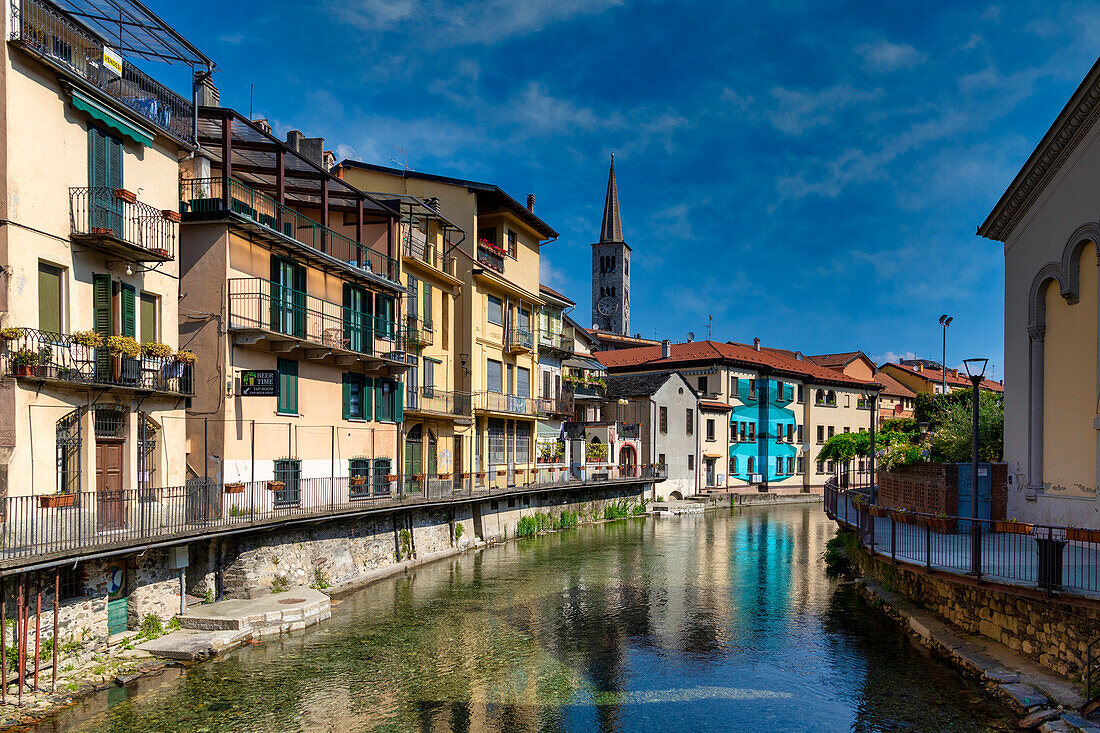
279	584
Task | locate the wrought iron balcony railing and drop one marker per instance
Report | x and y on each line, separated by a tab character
515	404
256	304
51	34
59	357
491	256
520	339
437	401
115	220
219	196
429	254
555	406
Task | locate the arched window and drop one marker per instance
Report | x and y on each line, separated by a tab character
733	464
68	452
751	465
831	399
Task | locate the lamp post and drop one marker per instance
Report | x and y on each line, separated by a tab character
945	321
871	397
975	370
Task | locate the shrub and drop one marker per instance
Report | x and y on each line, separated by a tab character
89	339
951	442
568	519
459	531
836	558
618	509
279	584
151	627
183	356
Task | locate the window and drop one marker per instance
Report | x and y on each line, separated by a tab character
733	386
847	429
511	243
790	465
412	296
357	318
509	381
359	468
496	311
752	389
790	432
690	421
287	402
752	432
691	461
489	234
494	376
821	467
523	382
702	385
664	419
733	464
660	459
778	432
68	452
832	431
799	433
50	307
388	403
496	441
289	471
72	582
128	305
744	429
801	393
380	478
710	428
104	177
523	442
750	464
385	313
148	310
356	397
820	434
802	464
778	465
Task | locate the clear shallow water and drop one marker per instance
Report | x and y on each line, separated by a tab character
717	622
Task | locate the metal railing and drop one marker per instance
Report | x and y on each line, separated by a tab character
72	524
260	305
490	256
556	341
521	337
51	33
430	255
59	357
437	401
1050	557
98	211
515	404
419	330
555	406
221	195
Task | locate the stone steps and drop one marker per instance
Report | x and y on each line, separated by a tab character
291	610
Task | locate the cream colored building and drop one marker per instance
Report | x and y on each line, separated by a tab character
496	351
291	283
89	247
1047	220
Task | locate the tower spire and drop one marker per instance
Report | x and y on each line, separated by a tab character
612	228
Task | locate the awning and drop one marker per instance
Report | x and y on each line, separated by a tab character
98	111
583	362
712	455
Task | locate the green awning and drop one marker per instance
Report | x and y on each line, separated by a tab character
101	112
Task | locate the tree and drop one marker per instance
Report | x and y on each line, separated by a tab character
953	419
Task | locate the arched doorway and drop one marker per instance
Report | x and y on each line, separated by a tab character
628	461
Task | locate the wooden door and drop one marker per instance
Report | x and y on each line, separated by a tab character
456	466
110	498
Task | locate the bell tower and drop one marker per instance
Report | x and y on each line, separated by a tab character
611	267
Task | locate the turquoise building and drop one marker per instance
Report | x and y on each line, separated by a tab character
763	431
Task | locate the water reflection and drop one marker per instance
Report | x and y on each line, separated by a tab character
723	621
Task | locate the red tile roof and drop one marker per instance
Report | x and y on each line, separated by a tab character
937	375
714	406
893	387
555	293
837	360
705	352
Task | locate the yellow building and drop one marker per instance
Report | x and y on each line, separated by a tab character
291	298
495	350
89	265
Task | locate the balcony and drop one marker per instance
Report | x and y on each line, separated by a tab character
285	318
520	340
58	358
54	37
506	403
557	343
419	331
215	198
114	221
556	406
435	401
490	255
421	253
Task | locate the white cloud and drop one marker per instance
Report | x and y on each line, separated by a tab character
883	56
894	356
797	111
536	109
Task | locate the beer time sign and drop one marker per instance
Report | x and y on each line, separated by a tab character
259	383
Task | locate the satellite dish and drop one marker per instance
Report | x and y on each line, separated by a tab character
691	336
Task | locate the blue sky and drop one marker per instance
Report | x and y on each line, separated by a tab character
810	173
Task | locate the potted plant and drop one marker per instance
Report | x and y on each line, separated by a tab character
391	476
465	475
154	350
1074	534
10	334
276	485
879	511
940	523
357	480
185	357
234	487
500	472
444	476
103	231
51	501
1012	526
126	346
24	361
126	195
904	516
88	339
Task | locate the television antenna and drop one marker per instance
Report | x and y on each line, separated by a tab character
404	162
710	319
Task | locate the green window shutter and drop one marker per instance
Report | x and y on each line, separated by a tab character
148	318
427	308
129	314
398	403
368	393
347	396
49	298
288	386
114	162
379	412
101	304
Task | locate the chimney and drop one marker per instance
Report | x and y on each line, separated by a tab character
206	93
666	349
955	373
756	344
328	160
531	202
294	139
264	125
310	148
920	367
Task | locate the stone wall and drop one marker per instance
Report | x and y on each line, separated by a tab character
933	488
1053	631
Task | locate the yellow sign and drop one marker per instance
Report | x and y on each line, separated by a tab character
111	60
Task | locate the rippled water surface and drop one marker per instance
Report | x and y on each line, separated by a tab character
705	623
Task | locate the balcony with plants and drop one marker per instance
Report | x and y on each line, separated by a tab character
88	358
284	317
213	198
585	384
491	255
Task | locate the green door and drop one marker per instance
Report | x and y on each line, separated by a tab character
116	615
357	319
104	177
288	297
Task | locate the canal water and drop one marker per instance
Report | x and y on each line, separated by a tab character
723	621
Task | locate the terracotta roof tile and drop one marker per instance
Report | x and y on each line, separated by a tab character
555	293
936	375
893	387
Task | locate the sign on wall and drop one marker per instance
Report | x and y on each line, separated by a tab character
112	61
260	383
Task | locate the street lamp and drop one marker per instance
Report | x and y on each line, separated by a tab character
871	397
945	321
975	369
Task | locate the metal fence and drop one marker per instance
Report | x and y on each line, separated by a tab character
437	401
223	195
60	357
51	33
81	522
108	212
429	255
515	404
1049	557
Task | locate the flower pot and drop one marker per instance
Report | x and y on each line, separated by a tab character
50	501
1074	534
159	252
879	511
391	476
276	485
465	475
124	195
1006	527
902	517
103	231
171	215
234	488
23	370
357	480
942	525
444	476
500	473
